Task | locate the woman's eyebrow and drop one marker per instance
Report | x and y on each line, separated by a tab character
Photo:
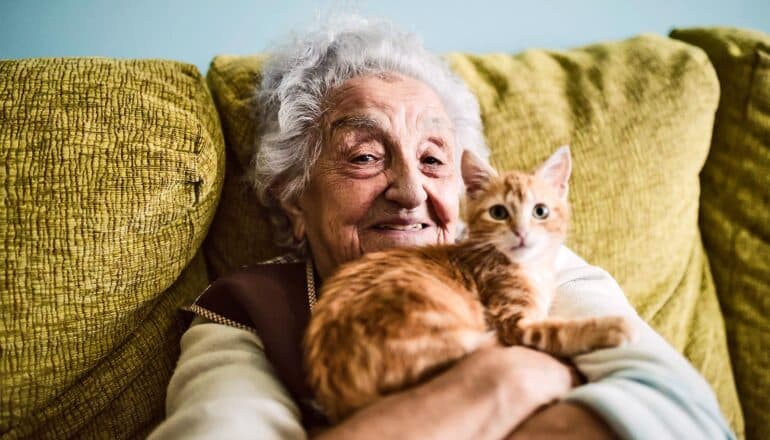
434	128
355	121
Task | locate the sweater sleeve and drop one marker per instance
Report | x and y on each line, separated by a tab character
224	387
645	389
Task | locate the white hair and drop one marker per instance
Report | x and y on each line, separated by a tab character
298	76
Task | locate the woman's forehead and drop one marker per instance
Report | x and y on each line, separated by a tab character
371	99
372	121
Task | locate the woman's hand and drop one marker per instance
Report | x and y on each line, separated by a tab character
484	396
534	377
560	420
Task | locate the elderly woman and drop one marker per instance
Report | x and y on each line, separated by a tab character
362	132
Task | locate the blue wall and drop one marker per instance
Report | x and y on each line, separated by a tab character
196	30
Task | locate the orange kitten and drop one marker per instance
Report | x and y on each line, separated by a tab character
391	319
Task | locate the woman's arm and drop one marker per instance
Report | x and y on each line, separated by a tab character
482	397
223	386
564	420
643	390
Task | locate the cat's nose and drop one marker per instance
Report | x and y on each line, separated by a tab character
520	234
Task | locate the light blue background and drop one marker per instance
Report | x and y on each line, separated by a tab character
196	30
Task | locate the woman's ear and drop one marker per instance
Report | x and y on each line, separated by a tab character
296	216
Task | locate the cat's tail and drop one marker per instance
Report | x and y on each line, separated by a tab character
570	337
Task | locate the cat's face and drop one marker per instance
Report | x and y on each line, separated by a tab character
523	215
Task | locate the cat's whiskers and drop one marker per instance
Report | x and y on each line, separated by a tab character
392	319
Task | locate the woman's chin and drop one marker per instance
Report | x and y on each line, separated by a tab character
380	239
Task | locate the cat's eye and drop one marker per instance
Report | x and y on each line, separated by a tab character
498	212
540	211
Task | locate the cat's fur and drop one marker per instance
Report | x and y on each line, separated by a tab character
391	319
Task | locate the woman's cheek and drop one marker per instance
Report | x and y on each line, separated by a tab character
355	198
342	236
445	199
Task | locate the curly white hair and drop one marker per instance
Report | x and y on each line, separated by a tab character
298	76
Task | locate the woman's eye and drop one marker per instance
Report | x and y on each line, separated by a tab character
430	160
498	212
364	159
540	211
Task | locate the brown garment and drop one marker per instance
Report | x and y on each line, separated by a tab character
270	300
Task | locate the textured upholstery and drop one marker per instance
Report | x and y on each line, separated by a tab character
110	177
638	114
111	171
735	208
232	242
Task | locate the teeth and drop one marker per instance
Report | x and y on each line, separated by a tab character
414	227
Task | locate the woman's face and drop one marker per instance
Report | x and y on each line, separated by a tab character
386	175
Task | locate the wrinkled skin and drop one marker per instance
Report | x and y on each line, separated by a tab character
387	175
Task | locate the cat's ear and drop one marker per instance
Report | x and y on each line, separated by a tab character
556	170
476	173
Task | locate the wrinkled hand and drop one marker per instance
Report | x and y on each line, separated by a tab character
529	378
545	379
486	395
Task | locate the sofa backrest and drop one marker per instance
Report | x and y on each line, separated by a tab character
113	170
735	208
110	176
638	114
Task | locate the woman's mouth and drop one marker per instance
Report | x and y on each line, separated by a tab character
398	227
397	232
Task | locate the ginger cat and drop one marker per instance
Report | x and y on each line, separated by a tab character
392	319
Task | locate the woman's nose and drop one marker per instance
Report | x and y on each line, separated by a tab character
406	186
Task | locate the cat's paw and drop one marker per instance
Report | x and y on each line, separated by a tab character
508	332
618	331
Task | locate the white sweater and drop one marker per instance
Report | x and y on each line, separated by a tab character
224	387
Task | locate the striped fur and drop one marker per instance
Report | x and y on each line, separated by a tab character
392	319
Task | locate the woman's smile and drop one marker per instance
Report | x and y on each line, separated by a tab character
387	176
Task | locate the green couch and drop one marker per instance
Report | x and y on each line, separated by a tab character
123	196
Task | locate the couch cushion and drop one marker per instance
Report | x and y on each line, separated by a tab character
735	208
638	115
240	233
111	173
